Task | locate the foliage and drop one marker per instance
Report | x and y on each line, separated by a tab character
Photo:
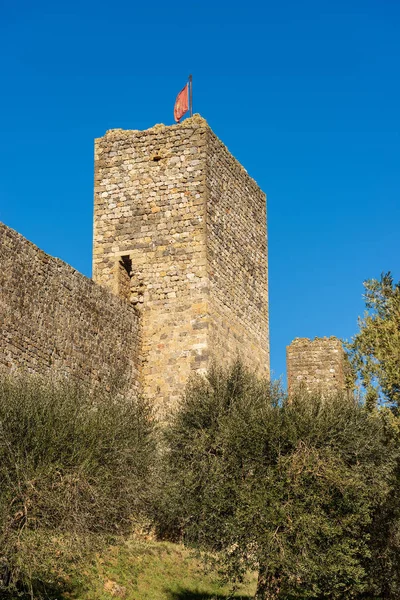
375	350
74	467
375	356
383	564
285	487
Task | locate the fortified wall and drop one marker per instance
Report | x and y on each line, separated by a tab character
180	232
55	320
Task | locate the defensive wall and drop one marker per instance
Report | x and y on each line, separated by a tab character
55	320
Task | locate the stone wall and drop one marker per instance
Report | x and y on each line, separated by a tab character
318	365
237	260
149	208
54	319
188	223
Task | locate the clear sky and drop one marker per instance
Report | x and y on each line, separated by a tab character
305	93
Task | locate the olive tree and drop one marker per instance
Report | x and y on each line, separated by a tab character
287	488
375	349
75	468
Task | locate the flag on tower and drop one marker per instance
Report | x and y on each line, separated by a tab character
181	103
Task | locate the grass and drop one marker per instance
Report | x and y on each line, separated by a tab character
152	571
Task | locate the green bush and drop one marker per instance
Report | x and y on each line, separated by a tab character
75	468
288	488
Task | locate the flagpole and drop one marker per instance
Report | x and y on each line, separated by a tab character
191	95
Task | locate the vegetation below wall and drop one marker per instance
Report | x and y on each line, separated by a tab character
303	490
302	493
74	468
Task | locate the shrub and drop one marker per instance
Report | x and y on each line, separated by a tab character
285	487
75	468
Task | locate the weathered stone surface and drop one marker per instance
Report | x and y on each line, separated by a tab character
191	225
237	260
55	320
319	365
180	238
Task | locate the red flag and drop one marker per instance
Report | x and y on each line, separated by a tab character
181	103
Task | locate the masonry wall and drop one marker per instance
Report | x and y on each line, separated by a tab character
55	320
318	365
189	224
149	207
237	260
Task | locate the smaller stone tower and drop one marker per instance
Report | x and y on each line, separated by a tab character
319	365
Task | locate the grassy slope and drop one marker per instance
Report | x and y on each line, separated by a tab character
153	571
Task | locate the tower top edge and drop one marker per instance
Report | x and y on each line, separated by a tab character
316	340
195	121
189	125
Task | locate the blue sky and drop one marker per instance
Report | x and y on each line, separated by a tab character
306	94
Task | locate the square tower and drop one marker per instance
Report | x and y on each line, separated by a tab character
180	232
317	366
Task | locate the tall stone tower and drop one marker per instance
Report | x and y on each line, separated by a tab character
180	232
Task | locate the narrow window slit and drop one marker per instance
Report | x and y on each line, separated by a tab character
124	274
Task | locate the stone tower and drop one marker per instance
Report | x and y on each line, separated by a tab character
318	365
180	232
